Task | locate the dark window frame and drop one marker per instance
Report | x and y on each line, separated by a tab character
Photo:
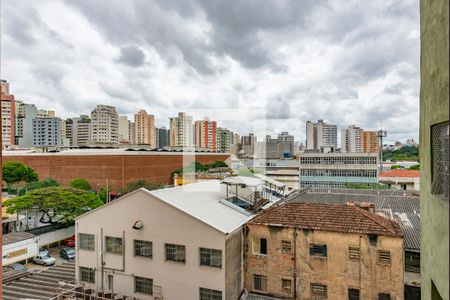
318	250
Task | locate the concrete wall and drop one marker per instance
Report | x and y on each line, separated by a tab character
233	265
434	109
118	169
337	270
55	236
162	224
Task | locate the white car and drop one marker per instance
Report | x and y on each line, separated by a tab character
45	260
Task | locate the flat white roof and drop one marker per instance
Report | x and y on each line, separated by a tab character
203	201
247	180
270	180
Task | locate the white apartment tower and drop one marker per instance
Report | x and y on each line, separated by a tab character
321	136
105	125
352	139
181	129
124	130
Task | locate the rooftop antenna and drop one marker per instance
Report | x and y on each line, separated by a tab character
381	134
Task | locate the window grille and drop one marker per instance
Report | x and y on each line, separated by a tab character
208	294
113	245
384	256
353	252
87	241
440	160
384	296
318	250
87	275
143	248
260	283
143	285
319	290
286	284
210	257
353	294
286	246
175	252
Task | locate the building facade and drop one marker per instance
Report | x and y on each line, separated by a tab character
346	253
338	170
104	125
8	116
181	131
160	246
434	148
144	126
352	139
24	124
47	132
371	142
224	140
401	179
321	136
81	130
124	130
206	134
162	137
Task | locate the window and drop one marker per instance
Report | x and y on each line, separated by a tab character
175	252
143	285
373	239
286	284
87	241
143	248
353	252
384	256
286	246
319	290
353	294
318	250
440	160
87	275
113	245
260	246
259	283
412	261
208	294
210	257
384	296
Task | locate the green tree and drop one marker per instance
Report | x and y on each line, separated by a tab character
141	183
15	171
56	204
394	167
80	183
48	182
415	167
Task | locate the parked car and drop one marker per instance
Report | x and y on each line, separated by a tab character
70	242
18	267
45	260
67	253
43	251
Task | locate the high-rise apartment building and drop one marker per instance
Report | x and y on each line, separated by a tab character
371	142
124	130
105	125
144	126
47	132
224	140
206	134
181	131
321	136
81	131
8	115
434	149
24	124
352	139
162	137
131	132
285	137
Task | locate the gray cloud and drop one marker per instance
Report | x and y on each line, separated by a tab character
337	60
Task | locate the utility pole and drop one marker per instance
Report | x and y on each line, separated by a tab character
381	134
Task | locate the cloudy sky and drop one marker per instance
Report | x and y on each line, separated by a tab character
247	63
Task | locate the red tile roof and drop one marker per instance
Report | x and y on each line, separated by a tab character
401	173
327	217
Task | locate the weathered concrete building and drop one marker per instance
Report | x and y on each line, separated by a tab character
324	251
434	147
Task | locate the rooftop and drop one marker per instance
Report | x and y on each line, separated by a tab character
401	173
328	217
15	237
403	206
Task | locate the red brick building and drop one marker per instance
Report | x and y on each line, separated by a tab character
117	166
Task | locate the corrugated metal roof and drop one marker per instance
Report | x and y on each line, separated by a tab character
15	237
389	203
203	201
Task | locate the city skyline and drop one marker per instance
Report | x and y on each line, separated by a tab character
71	56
